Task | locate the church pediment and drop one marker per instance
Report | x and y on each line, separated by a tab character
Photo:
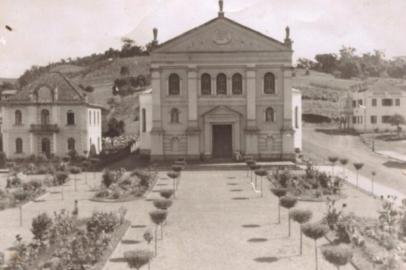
222	111
221	35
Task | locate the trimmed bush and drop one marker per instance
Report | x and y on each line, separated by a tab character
166	193
261	172
158	217
279	192
137	258
21	195
61	178
177	168
75	170
108	178
288	202
173	175
162	204
338	255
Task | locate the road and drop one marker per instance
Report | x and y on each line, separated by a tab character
318	146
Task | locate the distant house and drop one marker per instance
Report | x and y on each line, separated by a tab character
373	106
50	116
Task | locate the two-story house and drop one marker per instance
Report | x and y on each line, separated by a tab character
51	116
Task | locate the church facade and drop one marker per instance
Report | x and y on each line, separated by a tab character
218	91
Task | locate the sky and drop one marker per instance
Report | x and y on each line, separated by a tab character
47	30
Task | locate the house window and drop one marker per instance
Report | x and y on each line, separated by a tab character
70	118
221	84
386	119
90	117
354	119
18	117
269	115
360	102
296	117
174	115
206	84
44	117
374	102
71	144
174	85
144	120
373	119
19	145
94	118
397	102
387	102
269	83
237	84
354	103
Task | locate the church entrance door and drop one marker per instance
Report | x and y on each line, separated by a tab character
222	141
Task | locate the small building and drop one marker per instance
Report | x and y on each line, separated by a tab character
51	116
220	90
376	103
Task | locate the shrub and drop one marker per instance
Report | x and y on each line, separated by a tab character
177	168
75	170
166	193
61	178
323	179
358	165
314	230
41	226
301	216
21	195
288	201
279	192
144	177
137	258
158	216
108	178
102	222
284	178
173	175
148	237
32	185
102	193
338	255
261	172
162	204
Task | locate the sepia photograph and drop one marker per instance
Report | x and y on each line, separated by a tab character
202	135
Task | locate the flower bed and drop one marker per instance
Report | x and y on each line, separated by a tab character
119	186
308	185
63	242
20	193
378	243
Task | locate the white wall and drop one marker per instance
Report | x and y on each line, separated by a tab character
297	103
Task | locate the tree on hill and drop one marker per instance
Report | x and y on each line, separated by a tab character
326	62
114	128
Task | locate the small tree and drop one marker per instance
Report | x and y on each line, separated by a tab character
173	175
250	163
157	217
338	255
255	167
333	161
41	225
279	192
261	173
343	162
288	202
397	120
138	258
358	166
166	193
314	231
300	216
148	237
75	171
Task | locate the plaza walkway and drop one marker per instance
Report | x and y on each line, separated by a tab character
218	222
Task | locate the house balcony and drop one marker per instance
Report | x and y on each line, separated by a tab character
44	128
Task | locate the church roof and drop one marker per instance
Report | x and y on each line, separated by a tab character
264	42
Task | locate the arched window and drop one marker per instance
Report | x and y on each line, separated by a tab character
44	117
269	115
269	83
144	120
70	118
237	84
90	117
18	117
71	144
94	118
296	117
221	84
174	115
174	85
19	145
206	84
